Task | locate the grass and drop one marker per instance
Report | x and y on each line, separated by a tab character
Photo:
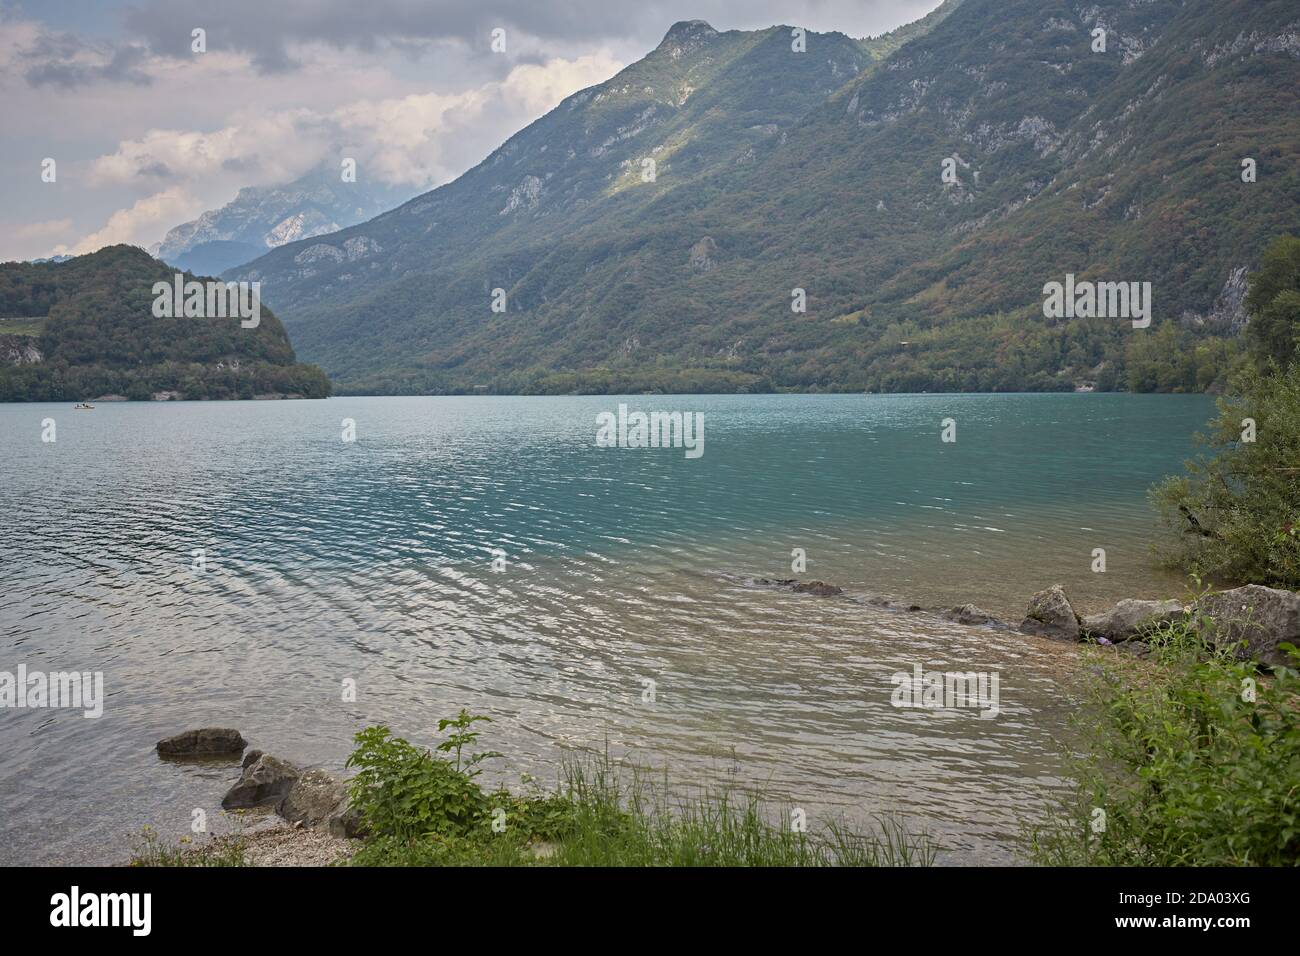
151	851
423	811
22	326
621	819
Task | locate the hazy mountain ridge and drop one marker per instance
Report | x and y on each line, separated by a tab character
1120	165
264	217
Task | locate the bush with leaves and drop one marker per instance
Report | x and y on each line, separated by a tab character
1274	304
1193	760
1235	516
406	792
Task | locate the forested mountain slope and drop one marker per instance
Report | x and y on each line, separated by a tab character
822	171
86	328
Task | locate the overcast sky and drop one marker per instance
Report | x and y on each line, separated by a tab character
147	134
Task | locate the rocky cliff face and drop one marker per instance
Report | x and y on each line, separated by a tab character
19	349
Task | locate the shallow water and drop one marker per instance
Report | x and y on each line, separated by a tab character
372	560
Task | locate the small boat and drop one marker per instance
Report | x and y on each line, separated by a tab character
83	407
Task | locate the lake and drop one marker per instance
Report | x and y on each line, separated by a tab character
324	561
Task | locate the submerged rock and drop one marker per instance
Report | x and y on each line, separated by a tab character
1261	617
892	605
1050	614
266	780
819	588
969	614
203	742
1130	618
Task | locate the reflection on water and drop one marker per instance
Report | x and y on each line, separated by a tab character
372	560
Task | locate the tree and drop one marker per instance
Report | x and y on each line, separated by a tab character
1235	516
1274	303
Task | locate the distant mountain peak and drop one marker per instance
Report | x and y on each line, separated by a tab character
688	31
264	217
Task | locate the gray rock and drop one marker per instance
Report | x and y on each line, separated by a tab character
1129	618
819	588
1261	617
892	605
251	757
345	821
1051	615
313	799
267	780
969	614
204	742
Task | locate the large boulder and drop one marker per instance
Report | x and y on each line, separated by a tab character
1131	618
1051	615
319	800
204	742
266	780
314	797
1261	617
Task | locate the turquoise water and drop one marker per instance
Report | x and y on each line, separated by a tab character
372	560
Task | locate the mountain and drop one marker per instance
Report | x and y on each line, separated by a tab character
86	328
263	217
215	257
701	102
821	171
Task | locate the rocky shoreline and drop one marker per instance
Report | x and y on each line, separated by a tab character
1258	618
303	817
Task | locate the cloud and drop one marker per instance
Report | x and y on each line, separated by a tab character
256	147
56	62
428	139
376	24
419	140
148	133
141	223
63	60
44	232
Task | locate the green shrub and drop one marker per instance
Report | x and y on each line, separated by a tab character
1274	304
405	792
422	810
1234	516
1192	761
